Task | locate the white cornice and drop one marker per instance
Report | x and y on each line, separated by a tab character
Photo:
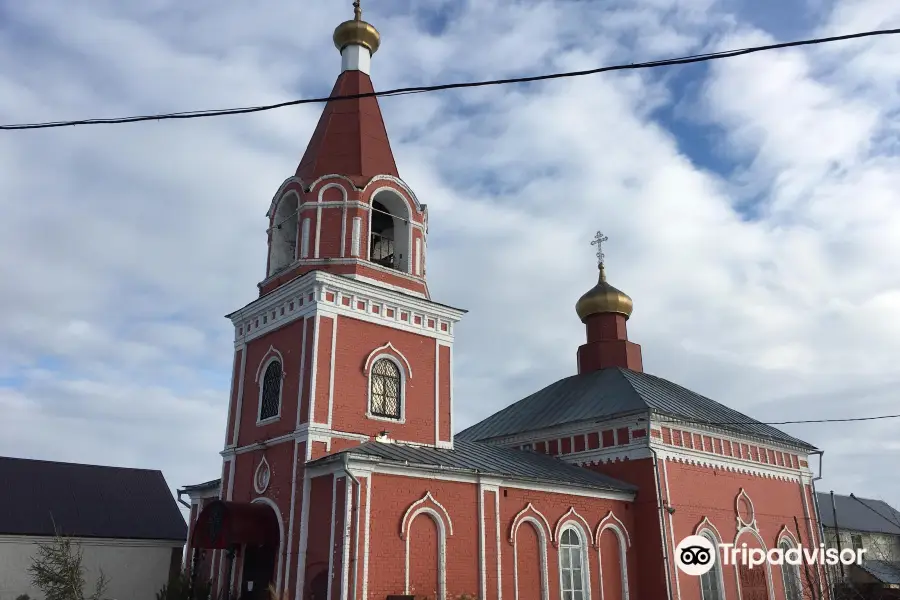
660	420
573	429
719	461
273	311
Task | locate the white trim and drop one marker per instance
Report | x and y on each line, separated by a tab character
614	523
666	514
711	532
420	208
232	401
331	543
244	320
624	542
408	218
786	533
584	542
304	241
708	525
442	549
328	186
240	396
290	538
542	538
304	535
272	355
279	566
794	569
482	566
355	236
737	570
348	527
521	516
418	257
404	524
499	554
741	523
229	493
318	230
314	363
263	464
572	516
403	384
450	367
725	463
343	228
365	586
331	369
379	352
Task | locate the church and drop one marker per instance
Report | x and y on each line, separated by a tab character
342	477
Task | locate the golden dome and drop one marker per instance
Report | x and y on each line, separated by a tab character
604	298
356	31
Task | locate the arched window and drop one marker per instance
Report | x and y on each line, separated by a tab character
790	575
283	241
270	398
385	389
389	234
571	565
711	581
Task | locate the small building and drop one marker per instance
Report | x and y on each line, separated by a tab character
851	522
125	520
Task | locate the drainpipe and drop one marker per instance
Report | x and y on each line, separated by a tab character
815	496
182	502
662	517
355	517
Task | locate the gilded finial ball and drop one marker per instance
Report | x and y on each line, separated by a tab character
356	32
604	299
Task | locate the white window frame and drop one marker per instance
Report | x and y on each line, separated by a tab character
262	384
716	570
583	551
403	378
787	570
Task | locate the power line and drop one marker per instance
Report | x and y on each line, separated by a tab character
696	58
753	422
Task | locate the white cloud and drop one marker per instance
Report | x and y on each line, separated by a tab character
122	246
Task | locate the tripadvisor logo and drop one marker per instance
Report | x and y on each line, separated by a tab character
696	555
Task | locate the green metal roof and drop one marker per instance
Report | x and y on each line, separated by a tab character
615	392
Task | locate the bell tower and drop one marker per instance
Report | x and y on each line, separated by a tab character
344	344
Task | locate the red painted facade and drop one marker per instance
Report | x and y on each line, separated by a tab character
358	529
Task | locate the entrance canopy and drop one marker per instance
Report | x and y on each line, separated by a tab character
222	525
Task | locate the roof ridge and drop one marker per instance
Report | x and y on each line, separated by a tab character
78	464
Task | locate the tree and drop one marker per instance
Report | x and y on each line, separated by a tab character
57	571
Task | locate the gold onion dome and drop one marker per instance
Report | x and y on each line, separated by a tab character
356	32
604	298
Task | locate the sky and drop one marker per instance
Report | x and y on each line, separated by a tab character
750	206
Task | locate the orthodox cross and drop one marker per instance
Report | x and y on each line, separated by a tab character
598	241
357	11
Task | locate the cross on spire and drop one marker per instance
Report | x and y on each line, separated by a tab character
599	238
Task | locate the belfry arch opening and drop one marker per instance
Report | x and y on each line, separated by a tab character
283	247
389	235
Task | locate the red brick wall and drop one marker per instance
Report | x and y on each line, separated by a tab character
528	565
235	392
611	564
645	534
423	557
705	492
319	526
355	341
286	341
323	368
445	371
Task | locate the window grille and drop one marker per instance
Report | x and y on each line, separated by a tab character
385	389
571	566
271	394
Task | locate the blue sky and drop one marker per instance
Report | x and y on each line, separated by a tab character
750	204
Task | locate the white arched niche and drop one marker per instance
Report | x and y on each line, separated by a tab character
283	247
390	230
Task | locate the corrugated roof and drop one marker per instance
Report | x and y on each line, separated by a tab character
859	514
883	570
206	485
485	459
613	392
86	501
